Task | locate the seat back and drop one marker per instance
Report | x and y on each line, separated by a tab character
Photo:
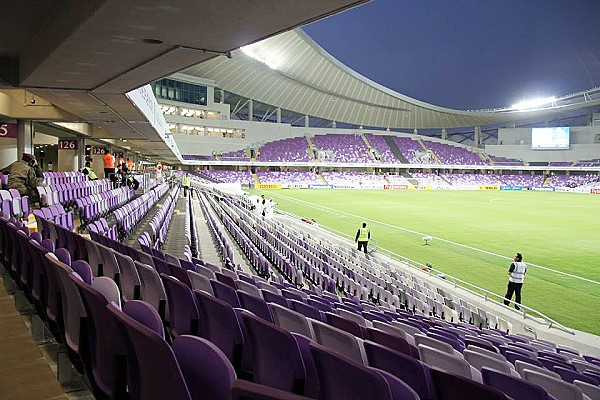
516	388
291	320
340	341
404	367
451	386
150	353
340	378
556	387
219	324
276	359
213	377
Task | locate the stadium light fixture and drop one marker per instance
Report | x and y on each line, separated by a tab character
533	103
270	60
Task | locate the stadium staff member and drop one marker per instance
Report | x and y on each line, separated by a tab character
25	176
186	185
362	237
109	164
516	275
87	170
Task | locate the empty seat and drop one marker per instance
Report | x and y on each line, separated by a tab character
412	371
255	305
200	282
516	388
448	362
556	387
479	360
276	358
291	320
339	341
451	386
213	377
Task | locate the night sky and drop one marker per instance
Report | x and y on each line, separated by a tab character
469	54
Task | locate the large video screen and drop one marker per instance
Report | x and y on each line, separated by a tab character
550	138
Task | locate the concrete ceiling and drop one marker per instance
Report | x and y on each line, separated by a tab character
83	56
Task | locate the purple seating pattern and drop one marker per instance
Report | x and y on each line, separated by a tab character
291	150
454	155
229	176
94	206
378	142
150	348
290	177
66	193
13	204
346	148
129	215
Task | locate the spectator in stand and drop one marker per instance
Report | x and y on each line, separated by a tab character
109	164
516	273
24	176
130	164
362	237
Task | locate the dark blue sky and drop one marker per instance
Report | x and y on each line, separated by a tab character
469	54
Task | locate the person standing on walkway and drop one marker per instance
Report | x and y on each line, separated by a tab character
186	185
362	237
516	276
109	164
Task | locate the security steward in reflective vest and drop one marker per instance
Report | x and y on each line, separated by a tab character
516	276
87	170
109	164
362	237
186	185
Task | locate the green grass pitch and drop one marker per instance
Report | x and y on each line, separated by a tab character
560	231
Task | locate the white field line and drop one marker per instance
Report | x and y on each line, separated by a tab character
423	234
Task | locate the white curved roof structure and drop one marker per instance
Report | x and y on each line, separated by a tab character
293	72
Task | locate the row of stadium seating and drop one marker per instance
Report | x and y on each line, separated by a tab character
372	148
354	178
335	335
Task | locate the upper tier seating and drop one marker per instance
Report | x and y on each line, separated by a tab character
291	150
409	148
378	142
454	155
346	148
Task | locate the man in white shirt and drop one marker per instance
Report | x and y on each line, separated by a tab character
516	276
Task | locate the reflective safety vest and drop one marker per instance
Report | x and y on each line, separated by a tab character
130	165
518	274
109	161
90	173
363	235
186	181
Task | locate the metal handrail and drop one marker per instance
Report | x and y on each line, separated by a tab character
480	292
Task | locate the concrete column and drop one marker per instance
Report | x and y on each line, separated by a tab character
306	121
68	160
444	134
250	110
25	134
477	136
334	125
416	131
222	96
278	115
81	154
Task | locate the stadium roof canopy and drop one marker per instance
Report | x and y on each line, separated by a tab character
82	56
293	72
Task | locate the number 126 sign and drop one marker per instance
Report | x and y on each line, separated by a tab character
67	145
